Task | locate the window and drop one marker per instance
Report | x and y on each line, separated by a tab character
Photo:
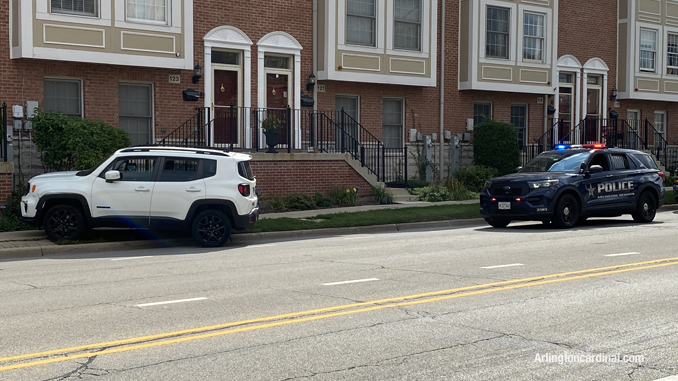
646	161
481	111
75	7
497	37
277	62
179	169
533	37
648	49
134	168
348	103
147	10
63	96
672	54
619	162
361	22
135	106
519	120
392	123
226	58
407	25
659	125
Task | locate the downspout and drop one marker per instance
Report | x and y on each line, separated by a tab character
314	128
442	92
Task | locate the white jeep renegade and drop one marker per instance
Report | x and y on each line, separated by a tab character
207	191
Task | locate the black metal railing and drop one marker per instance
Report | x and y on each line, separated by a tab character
3	128
193	132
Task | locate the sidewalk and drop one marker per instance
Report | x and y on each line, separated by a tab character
34	243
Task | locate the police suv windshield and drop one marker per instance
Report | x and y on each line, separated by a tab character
556	161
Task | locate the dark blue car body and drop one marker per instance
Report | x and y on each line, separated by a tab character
569	185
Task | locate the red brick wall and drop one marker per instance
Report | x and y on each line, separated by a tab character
5	187
282	178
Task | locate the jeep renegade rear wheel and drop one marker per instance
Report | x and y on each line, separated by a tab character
211	228
64	222
646	208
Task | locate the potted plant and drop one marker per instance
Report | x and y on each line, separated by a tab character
271	127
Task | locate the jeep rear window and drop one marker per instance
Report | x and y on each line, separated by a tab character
245	170
646	160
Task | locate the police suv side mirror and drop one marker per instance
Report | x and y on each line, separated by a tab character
582	167
518	168
595	169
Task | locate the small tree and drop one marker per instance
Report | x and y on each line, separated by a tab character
74	143
495	145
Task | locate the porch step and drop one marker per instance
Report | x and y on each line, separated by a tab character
402	195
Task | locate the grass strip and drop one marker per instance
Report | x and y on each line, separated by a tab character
367	218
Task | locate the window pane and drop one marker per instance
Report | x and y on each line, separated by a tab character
519	120
136	111
408	10
62	96
277	62
497	34
533	40
392	123
361	8
152	10
481	111
407	25
648	48
79	7
360	30
228	58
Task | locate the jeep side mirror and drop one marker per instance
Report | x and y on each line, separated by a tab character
595	169
111	176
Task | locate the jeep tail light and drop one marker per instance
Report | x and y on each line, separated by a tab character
244	189
662	175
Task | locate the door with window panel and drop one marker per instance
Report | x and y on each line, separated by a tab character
347	134
136	112
392	123
519	120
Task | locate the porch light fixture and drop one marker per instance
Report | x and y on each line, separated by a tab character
613	93
311	82
197	73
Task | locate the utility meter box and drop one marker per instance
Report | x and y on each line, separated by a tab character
31	107
18	111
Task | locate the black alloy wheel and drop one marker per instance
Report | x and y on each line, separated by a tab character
646	208
566	214
64	222
211	228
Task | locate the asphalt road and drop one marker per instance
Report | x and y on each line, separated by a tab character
473	303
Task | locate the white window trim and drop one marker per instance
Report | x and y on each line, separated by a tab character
425	32
378	37
640	50
376	25
512	32
173	24
659	58
168	16
665	52
548	36
82	91
42	12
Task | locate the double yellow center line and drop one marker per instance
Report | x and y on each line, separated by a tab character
110	347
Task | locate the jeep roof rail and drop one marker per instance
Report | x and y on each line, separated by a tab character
202	150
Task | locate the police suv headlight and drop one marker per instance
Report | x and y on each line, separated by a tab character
542	184
488	184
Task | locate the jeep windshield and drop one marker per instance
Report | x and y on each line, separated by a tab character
556	161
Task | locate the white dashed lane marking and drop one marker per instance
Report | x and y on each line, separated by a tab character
350	281
499	266
620	254
170	302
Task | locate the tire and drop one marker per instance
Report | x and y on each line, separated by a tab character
646	208
566	214
497	222
64	222
211	228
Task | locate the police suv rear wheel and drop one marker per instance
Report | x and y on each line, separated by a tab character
567	212
497	222
646	208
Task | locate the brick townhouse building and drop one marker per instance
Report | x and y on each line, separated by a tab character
558	70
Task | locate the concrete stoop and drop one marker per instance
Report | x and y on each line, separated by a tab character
402	195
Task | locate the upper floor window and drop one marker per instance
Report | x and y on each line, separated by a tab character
63	96
533	37
361	22
76	7
147	10
407	25
497	37
648	49
672	54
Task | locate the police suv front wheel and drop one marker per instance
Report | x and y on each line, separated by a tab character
567	212
646	208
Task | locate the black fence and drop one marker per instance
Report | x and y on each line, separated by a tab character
3	127
305	130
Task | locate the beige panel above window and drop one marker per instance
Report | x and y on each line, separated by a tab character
407	66
647	84
535	76
361	62
147	42
670	87
496	73
74	36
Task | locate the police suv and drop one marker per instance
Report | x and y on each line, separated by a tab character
567	185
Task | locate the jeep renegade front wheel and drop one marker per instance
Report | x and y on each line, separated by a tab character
64	222
211	228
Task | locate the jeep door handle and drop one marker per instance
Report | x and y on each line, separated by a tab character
142	189
193	190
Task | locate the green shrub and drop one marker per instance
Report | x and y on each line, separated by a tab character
670	179
344	196
299	201
417	183
321	200
457	190
495	145
382	195
68	143
10	220
432	193
474	177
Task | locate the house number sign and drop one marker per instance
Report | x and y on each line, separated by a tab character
174	78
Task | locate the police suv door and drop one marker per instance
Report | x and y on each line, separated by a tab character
600	192
627	179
